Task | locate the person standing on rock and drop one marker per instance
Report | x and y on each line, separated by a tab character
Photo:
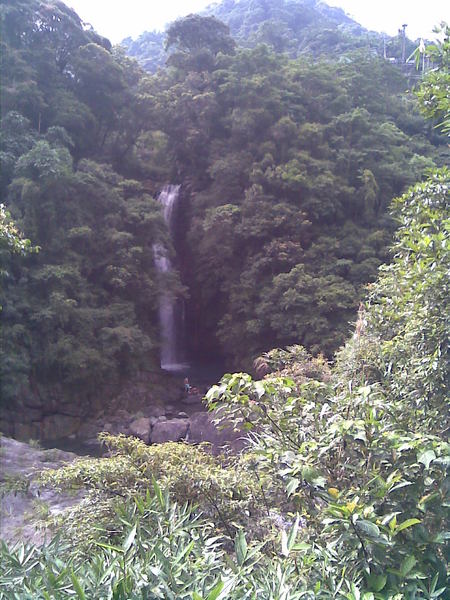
187	386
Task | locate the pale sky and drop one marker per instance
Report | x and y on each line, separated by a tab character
117	20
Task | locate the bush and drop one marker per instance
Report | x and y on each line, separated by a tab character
230	491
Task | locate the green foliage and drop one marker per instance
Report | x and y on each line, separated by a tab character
296	28
10	236
82	314
364	456
87	292
195	32
364	466
402	339
308	152
344	491
289	195
163	550
370	489
226	491
434	90
289	166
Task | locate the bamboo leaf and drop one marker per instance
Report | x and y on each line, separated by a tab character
293	534
241	548
215	592
77	586
129	540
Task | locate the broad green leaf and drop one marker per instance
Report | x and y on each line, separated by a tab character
407	565
302	546
376	582
393	523
426	458
367	528
442	537
259	389
356	594
406	524
292	486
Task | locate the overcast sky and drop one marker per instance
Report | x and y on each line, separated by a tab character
117	20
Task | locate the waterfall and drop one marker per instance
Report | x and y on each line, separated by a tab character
169	313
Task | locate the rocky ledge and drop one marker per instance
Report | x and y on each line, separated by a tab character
23	505
155	425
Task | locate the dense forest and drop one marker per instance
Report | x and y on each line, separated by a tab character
314	193
287	167
81	312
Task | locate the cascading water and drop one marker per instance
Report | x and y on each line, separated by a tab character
169	317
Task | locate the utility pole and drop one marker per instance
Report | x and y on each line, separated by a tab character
404	26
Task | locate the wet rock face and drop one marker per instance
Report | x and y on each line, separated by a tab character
18	458
194	426
141	428
172	430
22	504
203	429
182	420
52	416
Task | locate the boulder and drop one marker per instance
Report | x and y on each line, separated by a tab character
141	428
172	430
20	463
202	429
27	431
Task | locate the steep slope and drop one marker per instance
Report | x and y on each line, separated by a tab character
79	316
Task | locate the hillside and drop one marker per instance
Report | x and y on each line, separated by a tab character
286	168
295	27
79	317
267	201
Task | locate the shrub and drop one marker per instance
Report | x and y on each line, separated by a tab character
230	491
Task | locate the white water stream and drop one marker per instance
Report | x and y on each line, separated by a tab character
169	317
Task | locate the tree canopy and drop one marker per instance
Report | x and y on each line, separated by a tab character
287	169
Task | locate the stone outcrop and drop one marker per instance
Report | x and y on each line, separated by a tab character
172	430
203	429
20	463
21	501
141	428
44	414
